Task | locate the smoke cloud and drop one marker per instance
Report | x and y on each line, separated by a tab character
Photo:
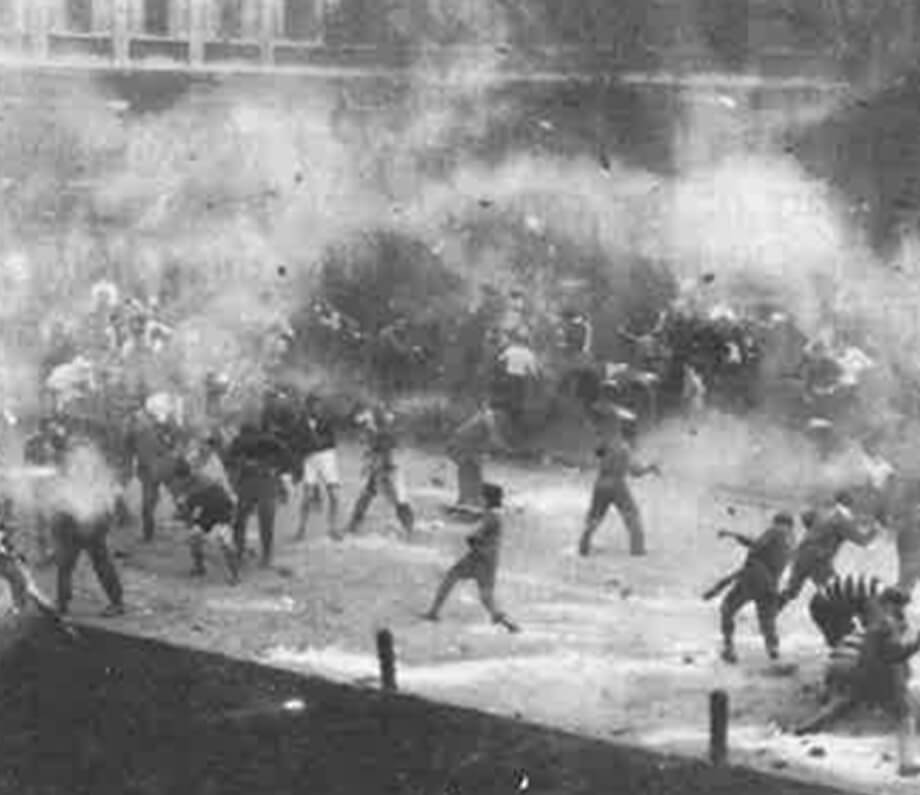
224	205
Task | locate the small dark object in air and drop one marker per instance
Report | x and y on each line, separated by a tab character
604	160
730	510
485	203
708	278
817	751
282	271
298	177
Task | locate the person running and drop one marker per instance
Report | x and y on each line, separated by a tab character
756	581
826	531
480	563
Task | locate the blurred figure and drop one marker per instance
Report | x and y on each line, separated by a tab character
907	544
394	357
826	531
576	335
15	570
467	447
82	516
320	466
615	455
756	581
71	382
206	507
255	462
693	394
480	563
381	470
216	386
869	665
152	442
74	536
518	369
44	448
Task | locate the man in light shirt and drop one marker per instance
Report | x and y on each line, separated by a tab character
519	366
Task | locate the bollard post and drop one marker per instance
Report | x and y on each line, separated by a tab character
387	659
718	727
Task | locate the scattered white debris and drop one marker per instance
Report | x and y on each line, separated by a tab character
283	605
534	224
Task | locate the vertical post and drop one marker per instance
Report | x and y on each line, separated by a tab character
21	25
39	22
267	17
387	659
197	18
319	21
718	727
120	34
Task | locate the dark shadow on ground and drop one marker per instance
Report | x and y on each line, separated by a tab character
113	714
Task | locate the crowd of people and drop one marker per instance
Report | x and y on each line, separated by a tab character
101	427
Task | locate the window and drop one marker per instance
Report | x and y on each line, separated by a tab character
299	19
7	13
230	19
80	16
156	17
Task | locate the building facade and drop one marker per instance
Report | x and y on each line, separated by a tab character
635	34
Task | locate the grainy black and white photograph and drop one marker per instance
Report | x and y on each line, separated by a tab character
458	397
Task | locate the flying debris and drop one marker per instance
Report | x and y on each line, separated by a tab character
534	224
604	160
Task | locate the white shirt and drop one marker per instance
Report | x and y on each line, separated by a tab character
520	360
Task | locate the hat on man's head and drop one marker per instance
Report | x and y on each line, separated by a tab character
493	494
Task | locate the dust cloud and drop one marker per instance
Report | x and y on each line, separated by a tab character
204	205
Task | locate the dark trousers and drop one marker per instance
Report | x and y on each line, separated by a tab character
470	567
805	567
72	538
622	499
257	492
469	479
13	572
754	584
150	497
389	482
